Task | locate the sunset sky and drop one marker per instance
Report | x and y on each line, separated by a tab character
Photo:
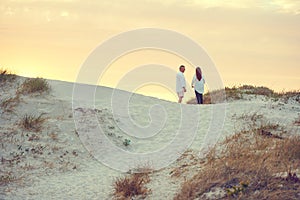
253	42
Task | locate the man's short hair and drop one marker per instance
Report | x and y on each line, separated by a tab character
181	66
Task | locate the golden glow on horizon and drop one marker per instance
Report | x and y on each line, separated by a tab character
251	41
135	70
157	91
126	64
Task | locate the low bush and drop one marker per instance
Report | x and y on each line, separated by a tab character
35	85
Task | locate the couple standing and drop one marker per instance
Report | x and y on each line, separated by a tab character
197	83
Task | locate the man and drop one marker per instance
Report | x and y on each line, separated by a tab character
180	83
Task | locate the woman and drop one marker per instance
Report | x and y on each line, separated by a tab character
198	84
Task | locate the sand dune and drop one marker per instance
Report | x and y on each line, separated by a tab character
88	138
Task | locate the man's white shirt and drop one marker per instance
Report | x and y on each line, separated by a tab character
180	82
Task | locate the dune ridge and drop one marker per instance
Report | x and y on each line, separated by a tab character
43	157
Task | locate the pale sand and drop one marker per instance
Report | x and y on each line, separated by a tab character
55	164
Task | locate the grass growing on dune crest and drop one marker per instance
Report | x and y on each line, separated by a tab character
34	85
236	93
249	165
6	76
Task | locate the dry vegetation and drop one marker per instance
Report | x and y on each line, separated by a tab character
239	92
30	85
6	76
132	186
34	85
32	123
249	165
7	178
22	152
9	104
252	164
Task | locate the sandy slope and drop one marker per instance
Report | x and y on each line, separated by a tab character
54	163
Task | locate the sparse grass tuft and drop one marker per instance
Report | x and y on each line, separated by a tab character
36	85
9	104
32	123
6	76
131	186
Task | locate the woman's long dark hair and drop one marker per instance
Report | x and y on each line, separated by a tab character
198	73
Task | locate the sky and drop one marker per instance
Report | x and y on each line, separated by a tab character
253	42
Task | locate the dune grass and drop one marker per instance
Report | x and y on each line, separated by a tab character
132	186
34	85
9	104
6	76
249	165
32	123
239	92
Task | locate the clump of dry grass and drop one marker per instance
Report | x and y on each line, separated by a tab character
34	85
289	94
219	96
9	104
216	96
6	76
131	186
237	92
248	165
256	90
32	122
